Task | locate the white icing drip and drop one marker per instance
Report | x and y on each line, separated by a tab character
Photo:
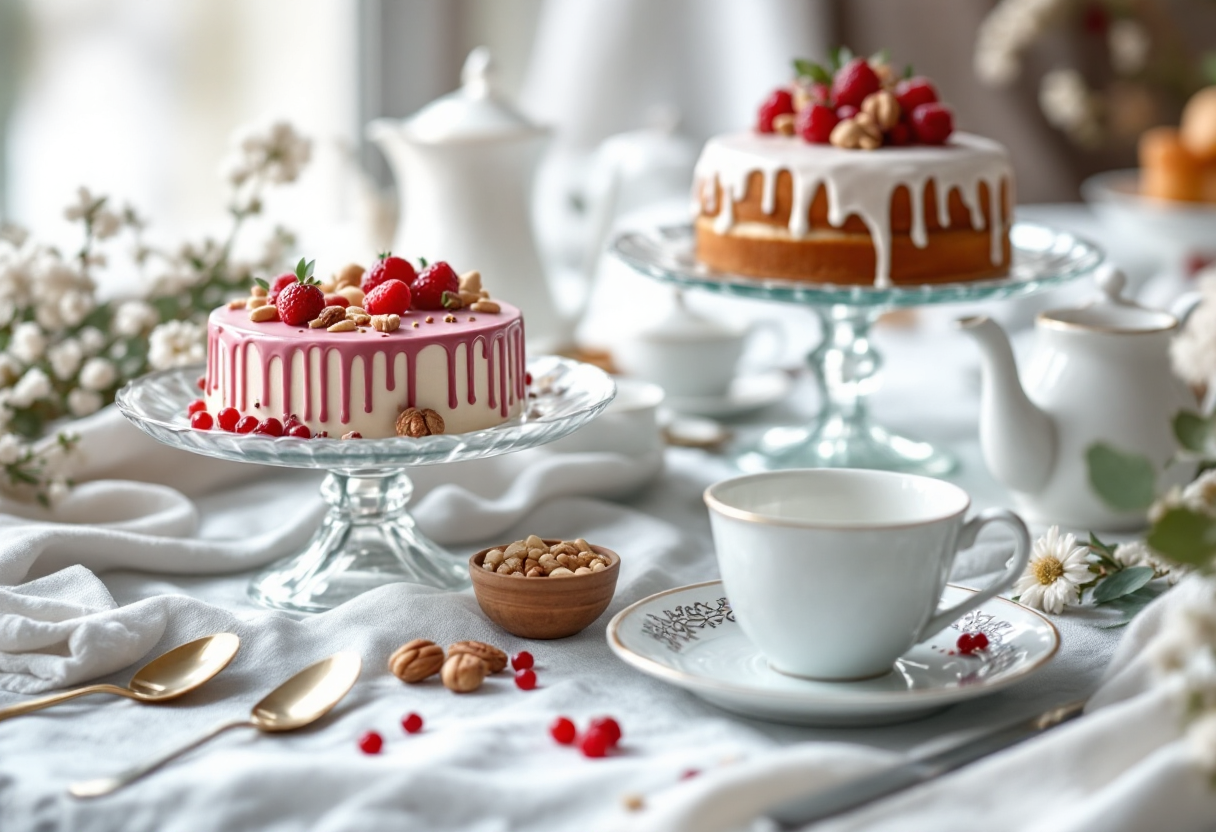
860	183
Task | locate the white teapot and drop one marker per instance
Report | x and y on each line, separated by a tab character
464	166
1098	373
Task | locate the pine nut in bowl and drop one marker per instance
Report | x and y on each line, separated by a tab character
555	601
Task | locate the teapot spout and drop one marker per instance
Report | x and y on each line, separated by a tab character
1018	439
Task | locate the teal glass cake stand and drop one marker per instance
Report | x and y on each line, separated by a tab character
846	364
367	538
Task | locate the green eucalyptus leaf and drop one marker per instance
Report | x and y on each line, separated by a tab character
1125	482
812	70
1192	431
1184	536
1122	583
1099	546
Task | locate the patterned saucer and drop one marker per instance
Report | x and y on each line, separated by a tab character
688	637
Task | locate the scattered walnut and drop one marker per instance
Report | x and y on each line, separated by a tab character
329	316
883	107
851	135
495	660
344	325
263	314
463	673
416	660
415	423
386	323
487	306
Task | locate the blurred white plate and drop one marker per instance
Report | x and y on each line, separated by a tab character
1169	229
747	392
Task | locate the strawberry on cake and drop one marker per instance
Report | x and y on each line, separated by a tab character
390	352
854	176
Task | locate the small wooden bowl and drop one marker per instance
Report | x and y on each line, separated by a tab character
544	607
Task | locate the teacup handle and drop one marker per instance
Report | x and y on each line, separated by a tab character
1016	566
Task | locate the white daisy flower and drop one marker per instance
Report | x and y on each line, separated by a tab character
1057	567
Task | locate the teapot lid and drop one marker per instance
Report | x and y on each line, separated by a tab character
475	111
1110	312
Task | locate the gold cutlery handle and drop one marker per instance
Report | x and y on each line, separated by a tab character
107	785
55	698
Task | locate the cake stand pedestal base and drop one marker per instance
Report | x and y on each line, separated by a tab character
366	540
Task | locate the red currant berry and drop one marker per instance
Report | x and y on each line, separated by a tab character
846	111
228	417
966	643
815	123
853	82
562	730
912	92
525	679
300	432
522	660
371	743
594	744
389	268
932	123
778	104
201	383
269	426
247	424
195	406
610	728
392	297
528	376
201	420
979	641
337	300
279	284
412	723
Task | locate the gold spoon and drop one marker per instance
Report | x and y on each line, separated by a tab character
300	701
166	677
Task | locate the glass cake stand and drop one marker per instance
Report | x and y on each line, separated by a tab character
842	434
367	538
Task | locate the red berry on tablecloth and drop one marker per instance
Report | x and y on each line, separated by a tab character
780	103
228	417
247	424
525	679
522	660
853	82
412	723
932	123
428	288
300	432
815	123
371	743
195	406
912	92
278	285
392	297
595	744
563	730
610	727
337	300
269	426
201	420
299	303
388	268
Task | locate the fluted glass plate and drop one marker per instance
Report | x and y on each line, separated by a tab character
1042	257
567	395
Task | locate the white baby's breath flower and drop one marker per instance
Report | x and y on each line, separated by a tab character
11	448
92	341
28	343
106	224
83	402
65	358
1069	104
1007	31
176	344
84	205
57	490
32	387
133	317
1188	633
10	369
276	153
98	374
74	307
1129	43
1056	568
1139	553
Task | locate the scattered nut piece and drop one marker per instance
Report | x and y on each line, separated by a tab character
534	572
430	319
784	124
561	572
582	570
633	802
353	294
881	106
416	660
355	309
350	275
263	314
329	316
463	673
345	325
495	660
470	281
415	423
254	303
487	306
449	319
258	291
360	320
237	303
468	298
386	323
598	566
582	545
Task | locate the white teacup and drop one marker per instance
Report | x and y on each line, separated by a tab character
835	573
629	425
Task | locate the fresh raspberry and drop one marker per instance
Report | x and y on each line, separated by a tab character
780	103
932	123
562	730
853	82
912	92
201	420
609	726
847	111
371	743
278	285
392	297
247	424
429	287
299	303
337	300
525	679
412	723
595	744
899	135
195	406
389	268
522	660
269	426
228	417
300	432
815	123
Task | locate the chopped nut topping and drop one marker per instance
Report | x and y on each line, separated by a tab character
346	325
263	314
415	423
329	316
487	306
